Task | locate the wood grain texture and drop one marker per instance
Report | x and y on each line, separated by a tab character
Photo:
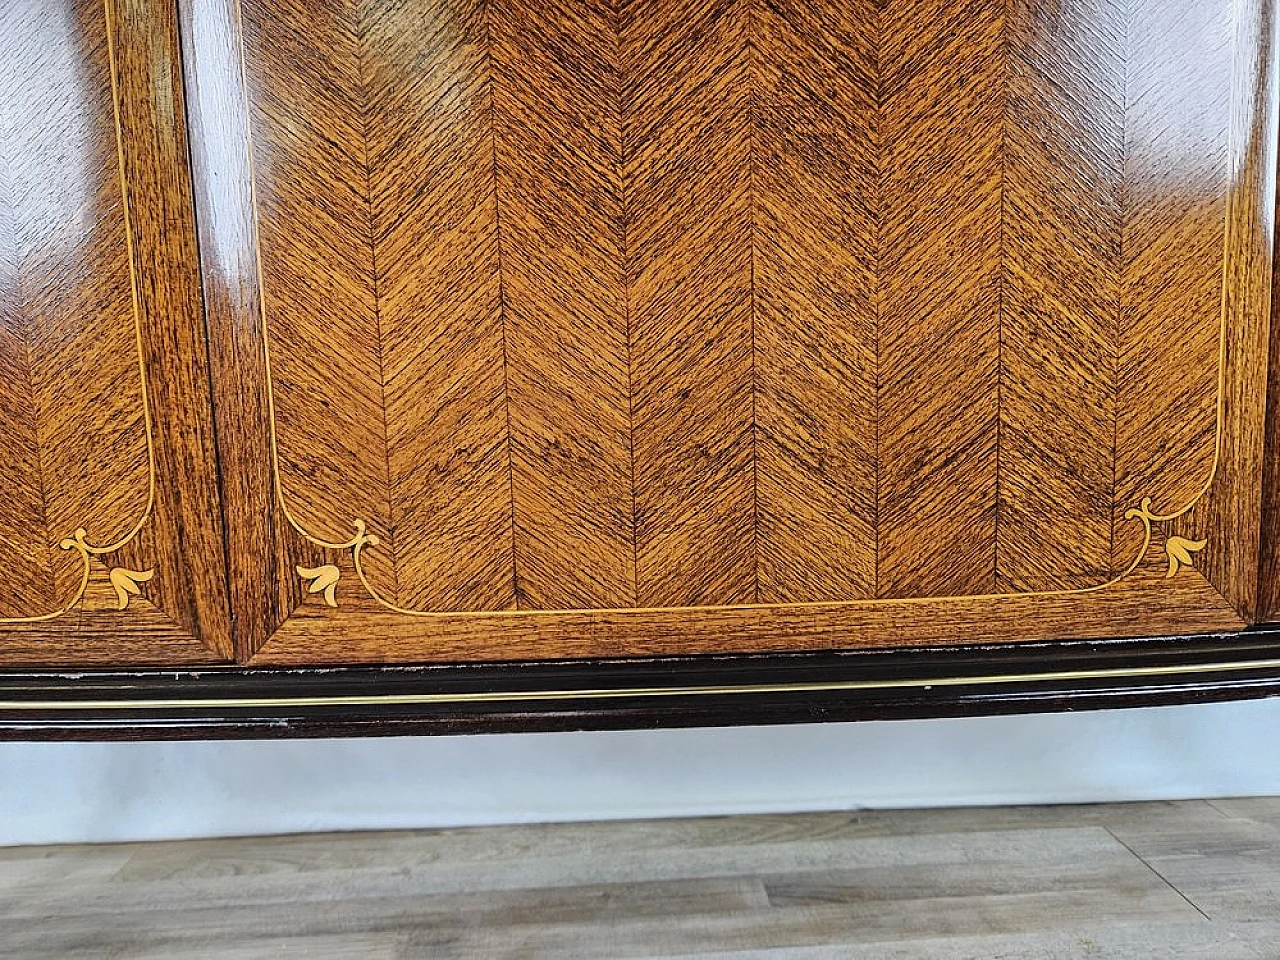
183	538
660	305
558	120
1060	243
24	539
105	287
940	282
1175	201
256	530
366	632
81	406
440	302
689	253
765	310
314	229
1228	517
1269	546
818	206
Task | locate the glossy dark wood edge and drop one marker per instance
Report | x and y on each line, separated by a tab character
184	537
1268	605
931	683
260	549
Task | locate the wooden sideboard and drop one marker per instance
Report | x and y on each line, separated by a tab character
451	365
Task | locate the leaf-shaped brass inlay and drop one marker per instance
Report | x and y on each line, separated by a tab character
126	584
1179	551
322	579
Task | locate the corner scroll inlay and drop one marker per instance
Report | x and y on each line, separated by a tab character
324	579
1178	550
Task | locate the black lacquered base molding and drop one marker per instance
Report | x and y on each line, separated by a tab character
640	693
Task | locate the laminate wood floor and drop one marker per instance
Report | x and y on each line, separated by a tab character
1154	880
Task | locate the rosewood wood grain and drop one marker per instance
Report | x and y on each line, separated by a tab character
818	205
1061	224
690	328
558	103
106	321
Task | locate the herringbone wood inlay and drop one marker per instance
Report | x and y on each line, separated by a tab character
110	550
70	388
544	328
1060	294
593	306
582	305
817	211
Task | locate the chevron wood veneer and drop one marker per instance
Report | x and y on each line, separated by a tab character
593	306
104	405
456	330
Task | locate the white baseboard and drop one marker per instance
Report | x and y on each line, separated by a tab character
64	793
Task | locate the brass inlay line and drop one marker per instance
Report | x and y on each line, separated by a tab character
1178	550
124	581
620	693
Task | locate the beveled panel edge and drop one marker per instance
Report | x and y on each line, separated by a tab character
1231	515
650	693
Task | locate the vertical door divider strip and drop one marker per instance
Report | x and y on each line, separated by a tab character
491	64
1006	65
753	125
366	107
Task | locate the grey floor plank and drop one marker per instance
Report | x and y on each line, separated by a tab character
1195	941
1116	882
401	875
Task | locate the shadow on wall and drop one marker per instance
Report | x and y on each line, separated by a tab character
69	792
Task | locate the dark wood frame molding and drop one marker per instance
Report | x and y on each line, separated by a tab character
649	693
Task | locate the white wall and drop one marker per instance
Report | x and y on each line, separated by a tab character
98	792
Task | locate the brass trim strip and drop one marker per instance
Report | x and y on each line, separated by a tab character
619	693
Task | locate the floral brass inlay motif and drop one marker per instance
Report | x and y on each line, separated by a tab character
1179	551
126	584
323	580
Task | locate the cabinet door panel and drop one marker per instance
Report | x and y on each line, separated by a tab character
110	550
611	329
